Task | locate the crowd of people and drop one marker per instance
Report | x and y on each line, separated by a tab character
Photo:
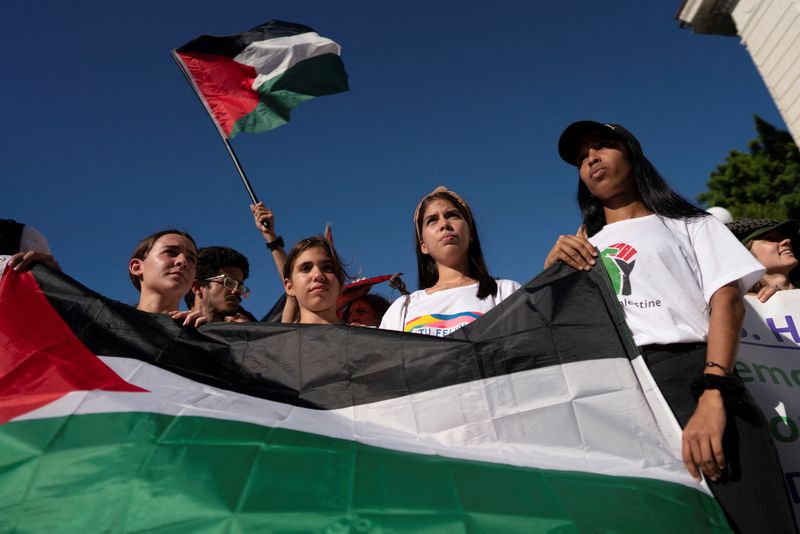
658	249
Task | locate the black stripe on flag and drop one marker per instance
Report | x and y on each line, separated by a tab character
559	317
232	45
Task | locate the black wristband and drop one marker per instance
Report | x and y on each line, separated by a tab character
275	245
730	387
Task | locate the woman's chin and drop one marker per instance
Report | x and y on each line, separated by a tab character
784	268
452	258
319	307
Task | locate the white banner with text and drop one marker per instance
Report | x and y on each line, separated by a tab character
769	364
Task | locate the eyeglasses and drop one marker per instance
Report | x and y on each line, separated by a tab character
230	284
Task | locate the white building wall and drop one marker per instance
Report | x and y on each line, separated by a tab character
770	30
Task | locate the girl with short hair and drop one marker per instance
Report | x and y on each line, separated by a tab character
162	269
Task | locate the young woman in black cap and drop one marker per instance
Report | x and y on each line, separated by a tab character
679	275
773	244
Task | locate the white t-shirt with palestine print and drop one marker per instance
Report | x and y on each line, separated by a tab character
665	271
443	312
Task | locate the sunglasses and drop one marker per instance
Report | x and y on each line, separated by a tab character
230	284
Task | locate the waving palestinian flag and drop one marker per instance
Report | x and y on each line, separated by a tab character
251	82
529	419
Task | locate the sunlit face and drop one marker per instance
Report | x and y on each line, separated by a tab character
169	267
604	167
313	281
445	233
216	299
774	251
361	312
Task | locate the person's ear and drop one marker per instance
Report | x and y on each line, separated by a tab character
135	267
196	287
423	247
288	287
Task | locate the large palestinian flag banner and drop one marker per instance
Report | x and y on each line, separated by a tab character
530	419
251	81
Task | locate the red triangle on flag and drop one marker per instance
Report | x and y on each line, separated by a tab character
41	359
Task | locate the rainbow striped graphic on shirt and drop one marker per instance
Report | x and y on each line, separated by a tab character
440	324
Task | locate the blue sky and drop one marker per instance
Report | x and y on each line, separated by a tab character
104	141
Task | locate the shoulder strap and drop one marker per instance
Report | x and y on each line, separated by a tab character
405	311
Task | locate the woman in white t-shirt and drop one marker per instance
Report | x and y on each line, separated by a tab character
679	276
455	285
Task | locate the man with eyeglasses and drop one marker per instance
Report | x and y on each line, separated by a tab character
218	288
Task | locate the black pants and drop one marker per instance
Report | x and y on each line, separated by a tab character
752	491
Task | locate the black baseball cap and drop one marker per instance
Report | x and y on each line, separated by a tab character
575	133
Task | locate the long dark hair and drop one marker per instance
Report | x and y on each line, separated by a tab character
656	194
427	272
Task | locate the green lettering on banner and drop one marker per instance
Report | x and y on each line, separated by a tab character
775	425
796	376
743	371
773	371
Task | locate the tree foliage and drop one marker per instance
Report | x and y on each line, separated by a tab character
763	183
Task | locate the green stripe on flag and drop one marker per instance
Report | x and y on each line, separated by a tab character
139	471
316	76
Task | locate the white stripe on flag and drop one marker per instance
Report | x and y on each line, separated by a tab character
587	416
273	57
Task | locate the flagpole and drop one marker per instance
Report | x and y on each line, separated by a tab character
221	133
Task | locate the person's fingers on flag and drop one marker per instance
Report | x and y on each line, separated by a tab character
689	457
719	452
581	250
702	436
576	252
708	461
195	318
189	317
23	261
